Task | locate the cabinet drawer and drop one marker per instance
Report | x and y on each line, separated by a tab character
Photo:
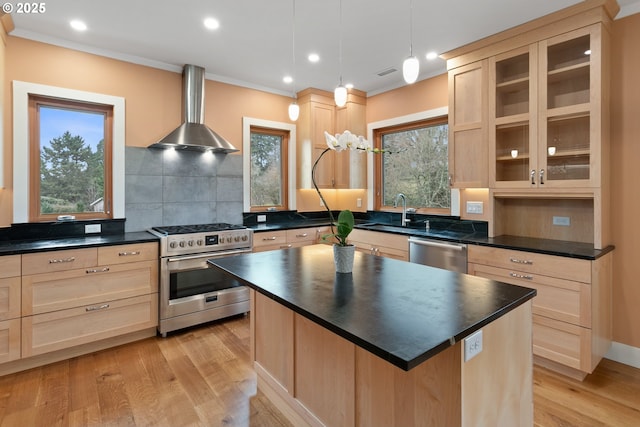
47	262
67	328
10	298
558	299
43	293
273	239
529	262
302	235
9	266
9	340
562	342
108	255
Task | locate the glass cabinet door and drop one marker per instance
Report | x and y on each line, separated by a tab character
512	109
566	126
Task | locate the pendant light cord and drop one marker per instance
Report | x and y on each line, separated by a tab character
293	48
340	43
410	27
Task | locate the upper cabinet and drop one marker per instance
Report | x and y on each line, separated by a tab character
468	145
318	114
545	114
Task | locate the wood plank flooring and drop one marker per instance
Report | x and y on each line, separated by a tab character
202	377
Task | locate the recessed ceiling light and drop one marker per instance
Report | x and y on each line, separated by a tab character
287	79
432	55
314	57
78	25
212	23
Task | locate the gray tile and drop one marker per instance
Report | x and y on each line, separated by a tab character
231	165
143	188
191	163
143	161
229	189
230	212
142	216
189	189
189	213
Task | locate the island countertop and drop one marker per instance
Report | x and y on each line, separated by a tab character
404	313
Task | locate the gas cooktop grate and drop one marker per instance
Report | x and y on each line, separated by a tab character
197	228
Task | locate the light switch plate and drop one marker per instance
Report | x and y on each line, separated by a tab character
472	345
92	228
562	220
474	208
262	218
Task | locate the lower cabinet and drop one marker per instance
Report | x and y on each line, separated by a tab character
283	239
572	327
381	244
58	300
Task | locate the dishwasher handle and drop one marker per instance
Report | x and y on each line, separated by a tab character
423	242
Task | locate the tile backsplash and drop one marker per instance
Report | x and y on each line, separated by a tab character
181	187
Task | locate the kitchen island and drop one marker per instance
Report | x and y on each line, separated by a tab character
384	345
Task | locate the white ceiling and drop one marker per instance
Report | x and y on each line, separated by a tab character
253	46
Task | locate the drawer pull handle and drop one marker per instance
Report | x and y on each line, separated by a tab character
285	246
521	261
266	239
98	270
56	261
302	235
533	176
97	307
128	253
521	276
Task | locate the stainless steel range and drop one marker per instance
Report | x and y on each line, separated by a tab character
191	292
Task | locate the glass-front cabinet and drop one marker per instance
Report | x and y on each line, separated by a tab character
545	115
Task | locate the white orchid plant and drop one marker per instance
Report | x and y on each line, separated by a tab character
340	142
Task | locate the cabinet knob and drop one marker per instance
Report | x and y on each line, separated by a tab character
541	176
533	177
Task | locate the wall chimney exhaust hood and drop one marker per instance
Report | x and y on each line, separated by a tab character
193	134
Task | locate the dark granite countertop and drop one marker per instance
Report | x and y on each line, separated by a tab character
470	237
404	313
13	247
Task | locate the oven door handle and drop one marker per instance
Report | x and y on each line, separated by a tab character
199	256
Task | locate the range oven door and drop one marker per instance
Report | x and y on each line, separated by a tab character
188	285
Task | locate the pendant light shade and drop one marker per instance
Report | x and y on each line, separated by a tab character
340	96
294	111
411	69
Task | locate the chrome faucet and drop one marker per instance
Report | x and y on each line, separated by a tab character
404	208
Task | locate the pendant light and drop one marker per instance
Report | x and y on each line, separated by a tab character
340	93
294	108
411	65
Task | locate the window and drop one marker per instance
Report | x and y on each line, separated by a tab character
269	181
22	130
415	163
70	159
268	168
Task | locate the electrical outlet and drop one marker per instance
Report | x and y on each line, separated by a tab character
562	220
472	345
92	228
358	202
262	218
474	208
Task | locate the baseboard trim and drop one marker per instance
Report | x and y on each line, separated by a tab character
624	353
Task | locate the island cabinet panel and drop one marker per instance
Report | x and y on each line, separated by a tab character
381	244
572	311
389	396
324	373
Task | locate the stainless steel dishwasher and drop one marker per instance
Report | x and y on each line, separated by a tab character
436	253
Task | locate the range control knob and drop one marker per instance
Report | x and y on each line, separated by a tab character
229	239
199	242
244	238
236	239
173	245
190	242
182	243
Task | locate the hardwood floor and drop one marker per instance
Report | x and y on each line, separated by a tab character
202	377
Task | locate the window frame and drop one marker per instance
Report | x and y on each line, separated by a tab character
247	123
284	162
374	173
35	102
21	92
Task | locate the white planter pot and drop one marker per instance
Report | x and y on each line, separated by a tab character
343	258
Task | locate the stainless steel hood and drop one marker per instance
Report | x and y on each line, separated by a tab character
193	134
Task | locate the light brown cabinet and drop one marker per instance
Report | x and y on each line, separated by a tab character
380	244
468	145
283	239
9	308
546	118
572	310
79	296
